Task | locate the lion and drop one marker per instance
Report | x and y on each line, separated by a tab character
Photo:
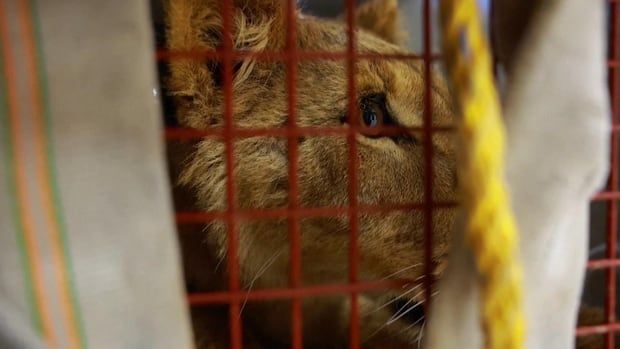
391	171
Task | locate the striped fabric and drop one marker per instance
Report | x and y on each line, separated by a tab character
87	249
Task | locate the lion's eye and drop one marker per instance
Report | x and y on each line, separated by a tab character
372	114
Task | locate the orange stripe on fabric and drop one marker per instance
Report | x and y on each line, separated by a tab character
20	178
43	177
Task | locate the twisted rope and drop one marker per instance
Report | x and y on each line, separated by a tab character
490	230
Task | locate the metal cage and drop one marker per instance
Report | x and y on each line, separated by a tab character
235	295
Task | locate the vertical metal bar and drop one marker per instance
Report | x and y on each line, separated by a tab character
612	208
428	158
233	263
353	114
293	195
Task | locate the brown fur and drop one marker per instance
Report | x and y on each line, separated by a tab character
391	244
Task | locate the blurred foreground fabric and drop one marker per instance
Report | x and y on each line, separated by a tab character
88	255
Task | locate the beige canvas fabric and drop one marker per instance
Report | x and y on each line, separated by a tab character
88	253
557	114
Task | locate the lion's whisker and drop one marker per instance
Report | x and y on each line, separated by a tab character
219	262
413	324
259	273
374	333
402	270
400	314
420	335
393	300
403	307
390	321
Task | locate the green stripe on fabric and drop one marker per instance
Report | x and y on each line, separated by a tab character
11	185
52	170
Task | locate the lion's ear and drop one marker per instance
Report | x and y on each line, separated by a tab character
262	24
255	24
381	17
196	26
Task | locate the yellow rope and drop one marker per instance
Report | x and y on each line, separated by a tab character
490	230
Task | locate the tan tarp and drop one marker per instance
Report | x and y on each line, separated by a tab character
557	116
88	254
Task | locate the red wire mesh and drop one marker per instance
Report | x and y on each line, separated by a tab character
235	295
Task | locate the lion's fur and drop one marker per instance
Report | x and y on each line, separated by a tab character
391	244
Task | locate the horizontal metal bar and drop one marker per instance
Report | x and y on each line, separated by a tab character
197	299
301	212
597	329
164	54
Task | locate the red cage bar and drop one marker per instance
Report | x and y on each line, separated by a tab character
283	55
612	212
296	291
428	158
236	337
354	333
294	229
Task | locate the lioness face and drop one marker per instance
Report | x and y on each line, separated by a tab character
390	171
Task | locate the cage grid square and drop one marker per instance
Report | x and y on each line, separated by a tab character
294	212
